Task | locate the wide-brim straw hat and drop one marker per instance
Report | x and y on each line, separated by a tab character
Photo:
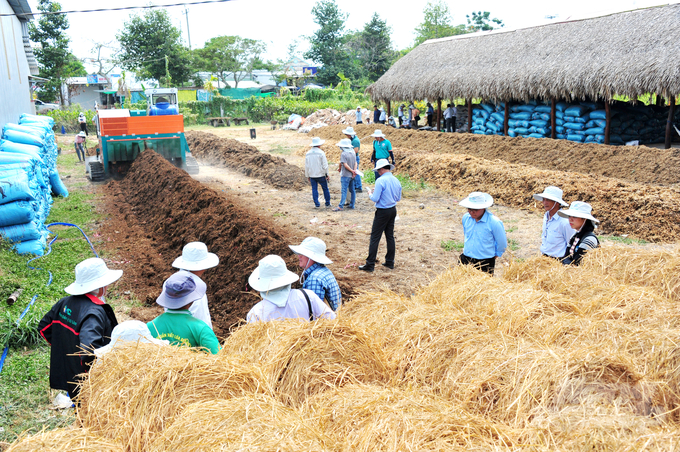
313	248
477	200
382	163
579	209
344	143
195	257
92	274
316	141
181	289
349	131
551	193
271	273
378	134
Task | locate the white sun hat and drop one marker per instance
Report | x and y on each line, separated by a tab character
316	141
195	257
349	131
81	134
477	200
92	274
313	248
382	163
270	274
181	289
345	143
358	108
129	331
579	209
551	193
378	134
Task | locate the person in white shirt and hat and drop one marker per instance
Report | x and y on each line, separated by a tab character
273	280
82	120
485	238
195	260
316	171
315	275
583	222
359	121
78	324
556	229
348	171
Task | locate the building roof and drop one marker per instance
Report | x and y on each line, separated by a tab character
21	9
629	53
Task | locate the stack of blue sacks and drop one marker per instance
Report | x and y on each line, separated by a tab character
487	119
28	178
530	120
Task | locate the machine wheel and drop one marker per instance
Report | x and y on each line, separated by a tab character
191	165
96	172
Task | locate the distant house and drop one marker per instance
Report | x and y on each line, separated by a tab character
85	90
18	67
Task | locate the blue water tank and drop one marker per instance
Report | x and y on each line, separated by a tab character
163	108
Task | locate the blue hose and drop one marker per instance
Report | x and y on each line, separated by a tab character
35	297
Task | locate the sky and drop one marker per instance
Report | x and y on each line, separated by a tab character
280	23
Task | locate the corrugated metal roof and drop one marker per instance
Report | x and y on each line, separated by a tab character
21	9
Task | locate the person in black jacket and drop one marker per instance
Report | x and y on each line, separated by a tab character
580	219
78	324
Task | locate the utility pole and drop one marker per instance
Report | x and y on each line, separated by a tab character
186	13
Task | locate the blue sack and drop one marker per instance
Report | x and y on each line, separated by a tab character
488	108
521	130
595	131
559	129
544	131
561	136
479	121
58	187
577	138
536	135
22	137
36	131
561	106
511	133
577	119
25	117
526	116
538	123
544	108
498	117
590	105
590	139
599	139
22	232
598	114
16	189
574	126
17	212
20	148
36	247
576	110
526	108
479	132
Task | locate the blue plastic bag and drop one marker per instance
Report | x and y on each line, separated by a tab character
576	110
20	148
22	232
58	187
595	131
17	212
574	126
16	189
578	138
22	137
36	247
523	115
598	114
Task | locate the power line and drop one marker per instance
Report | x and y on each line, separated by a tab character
122	8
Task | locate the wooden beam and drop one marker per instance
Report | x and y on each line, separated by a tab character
439	114
553	118
469	118
506	117
608	113
669	123
389	111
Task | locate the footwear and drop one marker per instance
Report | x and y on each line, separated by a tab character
385	264
359	191
338	209
327	206
346	204
366	268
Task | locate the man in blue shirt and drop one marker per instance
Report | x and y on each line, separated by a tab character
382	149
485	238
315	275
387	194
556	230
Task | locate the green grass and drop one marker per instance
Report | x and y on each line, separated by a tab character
283	150
513	244
512	229
452	245
622	240
406	183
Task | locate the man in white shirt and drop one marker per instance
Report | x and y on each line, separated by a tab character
273	280
450	118
316	171
556	229
196	259
359	121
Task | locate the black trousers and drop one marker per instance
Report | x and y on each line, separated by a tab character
383	221
83	128
451	124
485	265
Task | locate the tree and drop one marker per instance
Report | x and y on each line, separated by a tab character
480	21
232	56
56	62
147	42
437	23
327	43
372	48
105	65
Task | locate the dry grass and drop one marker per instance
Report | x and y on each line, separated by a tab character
71	439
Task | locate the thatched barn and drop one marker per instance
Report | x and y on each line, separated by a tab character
630	54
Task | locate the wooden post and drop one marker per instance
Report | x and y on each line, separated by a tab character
389	111
658	101
608	113
669	123
553	118
469	109
506	118
439	115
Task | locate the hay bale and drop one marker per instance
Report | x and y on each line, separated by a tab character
378	418
257	422
70	439
135	391
301	359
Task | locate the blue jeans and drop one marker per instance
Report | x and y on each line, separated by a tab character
315	191
357	179
345	183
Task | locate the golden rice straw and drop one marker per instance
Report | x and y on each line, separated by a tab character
70	439
257	422
376	418
136	390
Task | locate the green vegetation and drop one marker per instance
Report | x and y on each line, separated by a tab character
513	244
511	229
622	240
406	183
452	245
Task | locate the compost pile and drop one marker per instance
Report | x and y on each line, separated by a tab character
330	117
224	152
635	163
164	204
547	358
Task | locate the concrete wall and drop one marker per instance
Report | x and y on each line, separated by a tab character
15	91
85	96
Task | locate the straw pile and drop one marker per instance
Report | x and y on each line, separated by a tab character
71	439
545	358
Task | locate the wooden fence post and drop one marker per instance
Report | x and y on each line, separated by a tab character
669	123
607	128
469	114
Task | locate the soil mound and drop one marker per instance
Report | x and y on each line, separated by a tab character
168	208
213	150
634	163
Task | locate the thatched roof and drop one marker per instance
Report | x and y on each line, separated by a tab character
629	53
